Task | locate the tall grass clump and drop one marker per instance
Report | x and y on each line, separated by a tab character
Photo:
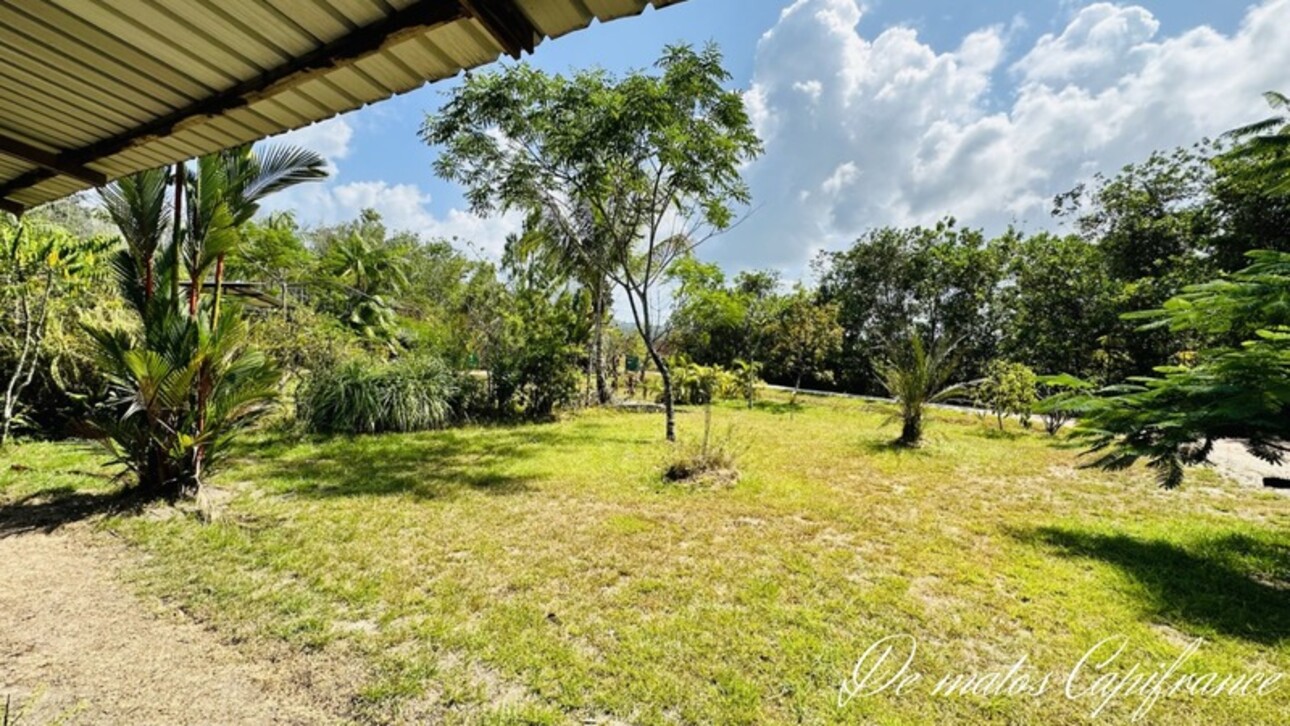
414	394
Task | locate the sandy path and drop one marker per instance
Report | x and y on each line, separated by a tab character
77	647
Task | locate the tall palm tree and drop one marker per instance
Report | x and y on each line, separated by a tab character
184	383
225	191
579	247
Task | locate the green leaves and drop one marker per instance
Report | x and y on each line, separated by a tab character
1230	392
915	373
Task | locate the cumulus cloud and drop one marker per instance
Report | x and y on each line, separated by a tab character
862	132
329	138
403	207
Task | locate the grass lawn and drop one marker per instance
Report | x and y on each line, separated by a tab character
546	574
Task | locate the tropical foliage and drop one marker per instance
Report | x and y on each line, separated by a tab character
182	380
916	373
1237	387
631	174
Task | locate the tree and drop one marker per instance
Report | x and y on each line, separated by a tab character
716	322
943	280
41	264
654	159
915	373
1237	392
182	381
365	270
1154	227
1268	142
581	254
1061	307
806	336
1008	389
527	330
1235	382
272	252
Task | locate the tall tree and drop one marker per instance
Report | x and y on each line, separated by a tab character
182	381
1060	303
656	158
943	280
806	336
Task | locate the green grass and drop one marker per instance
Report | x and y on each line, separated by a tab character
546	574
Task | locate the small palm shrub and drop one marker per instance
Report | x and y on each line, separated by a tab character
915	373
698	385
414	394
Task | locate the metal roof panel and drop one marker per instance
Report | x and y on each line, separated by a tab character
119	86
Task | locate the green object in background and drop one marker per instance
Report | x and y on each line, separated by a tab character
633	364
472	361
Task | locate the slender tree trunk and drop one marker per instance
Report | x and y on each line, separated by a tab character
669	409
797	386
25	370
176	232
219	288
602	387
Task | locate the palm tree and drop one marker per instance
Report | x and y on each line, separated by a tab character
225	191
184	383
581	249
915	373
370	272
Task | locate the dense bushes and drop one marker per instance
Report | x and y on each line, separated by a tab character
694	385
413	394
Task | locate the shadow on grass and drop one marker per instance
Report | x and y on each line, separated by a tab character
1235	584
432	465
49	509
894	446
778	407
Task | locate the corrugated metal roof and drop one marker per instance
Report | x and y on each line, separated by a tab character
97	89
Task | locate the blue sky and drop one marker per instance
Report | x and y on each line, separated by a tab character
885	112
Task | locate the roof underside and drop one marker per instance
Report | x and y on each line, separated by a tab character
93	90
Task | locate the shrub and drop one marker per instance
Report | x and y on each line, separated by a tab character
747	379
697	385
1062	395
915	373
413	394
1008	389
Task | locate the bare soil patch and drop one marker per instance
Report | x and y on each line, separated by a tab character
77	647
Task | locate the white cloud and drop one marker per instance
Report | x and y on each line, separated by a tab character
1103	43
329	138
890	131
403	207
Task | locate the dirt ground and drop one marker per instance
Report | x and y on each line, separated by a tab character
76	647
1233	461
